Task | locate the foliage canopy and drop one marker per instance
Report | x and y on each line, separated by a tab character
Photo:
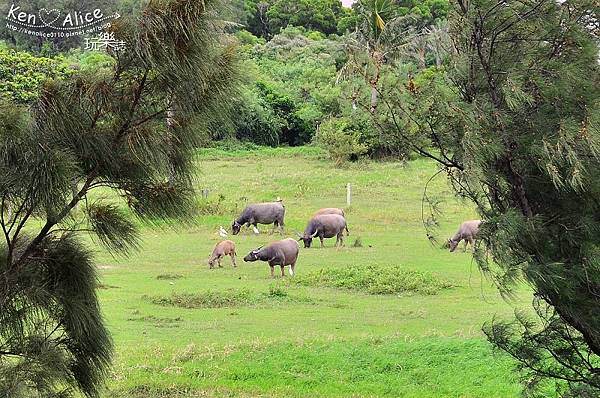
515	124
22	74
131	127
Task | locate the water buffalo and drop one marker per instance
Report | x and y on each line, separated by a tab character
467	231
282	252
325	226
330	210
260	213
222	249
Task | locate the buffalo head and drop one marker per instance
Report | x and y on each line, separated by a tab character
307	238
452	244
235	227
253	255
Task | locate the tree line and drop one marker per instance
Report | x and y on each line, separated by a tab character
296	54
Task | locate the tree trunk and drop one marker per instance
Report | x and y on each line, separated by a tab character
377	58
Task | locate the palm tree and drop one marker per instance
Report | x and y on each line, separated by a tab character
433	40
380	35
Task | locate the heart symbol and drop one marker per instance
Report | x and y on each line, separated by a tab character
46	16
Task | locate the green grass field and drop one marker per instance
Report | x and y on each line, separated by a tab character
183	330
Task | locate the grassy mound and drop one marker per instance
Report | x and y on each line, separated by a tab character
375	280
226	298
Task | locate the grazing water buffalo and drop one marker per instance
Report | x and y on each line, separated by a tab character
467	231
222	249
282	252
260	213
325	226
330	210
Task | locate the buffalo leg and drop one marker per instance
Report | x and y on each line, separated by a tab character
340	240
219	261
256	231
233	259
321	238
292	269
272	271
282	270
277	225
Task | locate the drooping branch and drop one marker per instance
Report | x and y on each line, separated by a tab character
88	180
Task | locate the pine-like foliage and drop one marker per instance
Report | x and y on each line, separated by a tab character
515	122
131	128
529	86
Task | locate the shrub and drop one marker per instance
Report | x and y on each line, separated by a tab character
22	74
277	291
214	206
256	120
247	38
315	35
337	137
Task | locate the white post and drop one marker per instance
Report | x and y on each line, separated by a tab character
349	195
205	193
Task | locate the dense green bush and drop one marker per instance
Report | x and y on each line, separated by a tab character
256	120
247	38
295	90
291	87
318	15
266	18
22	74
92	61
428	11
340	139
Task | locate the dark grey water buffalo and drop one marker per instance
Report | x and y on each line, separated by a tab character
325	226
330	210
282	252
260	213
467	231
